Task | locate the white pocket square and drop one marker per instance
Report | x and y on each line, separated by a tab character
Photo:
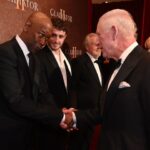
124	84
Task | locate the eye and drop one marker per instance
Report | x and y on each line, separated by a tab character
53	35
42	35
61	36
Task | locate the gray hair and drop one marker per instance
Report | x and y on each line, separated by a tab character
88	36
122	19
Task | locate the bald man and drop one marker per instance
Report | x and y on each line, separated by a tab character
23	98
87	87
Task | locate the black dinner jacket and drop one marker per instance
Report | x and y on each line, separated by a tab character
54	78
86	90
22	102
85	83
49	136
125	118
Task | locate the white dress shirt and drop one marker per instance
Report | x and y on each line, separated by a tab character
98	71
24	48
60	58
123	56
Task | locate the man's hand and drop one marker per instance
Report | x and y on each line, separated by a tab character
68	123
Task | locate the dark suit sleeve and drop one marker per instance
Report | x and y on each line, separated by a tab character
74	82
13	95
144	98
87	117
75	73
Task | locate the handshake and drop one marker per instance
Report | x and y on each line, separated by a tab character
69	120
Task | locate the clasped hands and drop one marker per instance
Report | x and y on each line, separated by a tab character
69	123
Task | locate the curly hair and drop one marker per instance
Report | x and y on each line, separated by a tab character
59	24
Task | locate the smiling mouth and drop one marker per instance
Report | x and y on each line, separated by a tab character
55	44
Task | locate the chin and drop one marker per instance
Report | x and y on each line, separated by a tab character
55	49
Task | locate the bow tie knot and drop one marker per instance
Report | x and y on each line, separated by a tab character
117	64
98	61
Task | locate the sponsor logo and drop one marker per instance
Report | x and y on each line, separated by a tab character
22	4
61	13
74	52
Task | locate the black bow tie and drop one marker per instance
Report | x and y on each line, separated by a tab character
117	64
99	61
96	61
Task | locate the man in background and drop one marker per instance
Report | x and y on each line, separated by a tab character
24	97
87	87
58	72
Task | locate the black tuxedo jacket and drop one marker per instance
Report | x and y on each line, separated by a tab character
86	83
126	121
86	93
48	136
54	78
22	102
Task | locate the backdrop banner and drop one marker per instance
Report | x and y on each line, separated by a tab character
13	14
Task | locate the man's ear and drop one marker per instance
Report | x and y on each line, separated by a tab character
114	32
26	26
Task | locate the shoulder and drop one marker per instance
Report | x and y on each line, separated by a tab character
81	59
80	62
8	45
9	49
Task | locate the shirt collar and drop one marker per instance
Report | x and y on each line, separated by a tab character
63	57
91	57
127	52
22	45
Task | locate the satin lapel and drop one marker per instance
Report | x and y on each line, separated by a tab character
37	71
22	64
130	63
91	68
54	63
50	57
36	79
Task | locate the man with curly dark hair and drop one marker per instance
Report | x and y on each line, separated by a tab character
57	68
